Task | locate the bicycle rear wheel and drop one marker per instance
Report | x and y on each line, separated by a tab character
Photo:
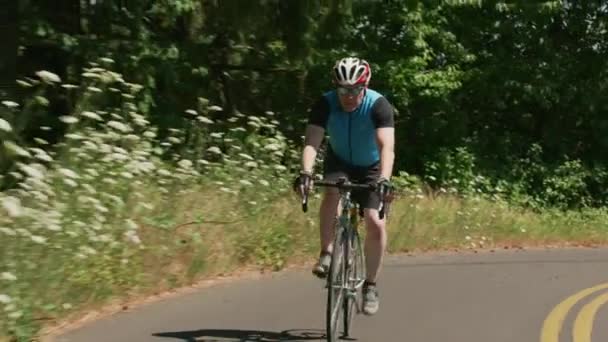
335	286
355	275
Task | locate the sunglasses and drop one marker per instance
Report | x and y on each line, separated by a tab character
350	91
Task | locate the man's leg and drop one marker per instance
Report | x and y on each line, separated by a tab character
327	214
375	243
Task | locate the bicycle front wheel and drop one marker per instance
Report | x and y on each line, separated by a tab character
355	275
335	286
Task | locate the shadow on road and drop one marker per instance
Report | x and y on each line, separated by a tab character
211	335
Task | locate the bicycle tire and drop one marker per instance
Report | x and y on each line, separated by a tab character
355	274
335	286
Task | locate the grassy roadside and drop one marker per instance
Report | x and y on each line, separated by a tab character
183	251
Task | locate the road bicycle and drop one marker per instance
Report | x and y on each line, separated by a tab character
347	269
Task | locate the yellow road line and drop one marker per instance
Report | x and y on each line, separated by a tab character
583	325
553	323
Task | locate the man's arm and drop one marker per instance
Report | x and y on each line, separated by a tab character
315	132
385	137
312	141
384	121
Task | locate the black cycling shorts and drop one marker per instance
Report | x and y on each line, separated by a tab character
334	168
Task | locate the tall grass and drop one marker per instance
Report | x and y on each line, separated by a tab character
100	213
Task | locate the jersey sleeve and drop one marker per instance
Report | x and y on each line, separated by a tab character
382	113
319	113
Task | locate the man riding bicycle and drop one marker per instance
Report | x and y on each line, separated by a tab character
360	125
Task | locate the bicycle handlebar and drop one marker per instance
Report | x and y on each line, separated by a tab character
345	185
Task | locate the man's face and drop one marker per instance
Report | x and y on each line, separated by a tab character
350	97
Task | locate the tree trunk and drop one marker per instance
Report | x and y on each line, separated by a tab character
8	53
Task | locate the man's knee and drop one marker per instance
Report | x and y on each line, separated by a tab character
375	226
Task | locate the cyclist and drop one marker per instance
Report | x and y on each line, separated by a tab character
360	126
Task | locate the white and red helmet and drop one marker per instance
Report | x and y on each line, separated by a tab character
352	71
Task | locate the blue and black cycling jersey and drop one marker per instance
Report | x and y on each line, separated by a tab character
352	136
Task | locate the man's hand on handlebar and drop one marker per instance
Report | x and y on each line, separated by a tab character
386	189
302	185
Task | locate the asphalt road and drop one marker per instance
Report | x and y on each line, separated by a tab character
506	296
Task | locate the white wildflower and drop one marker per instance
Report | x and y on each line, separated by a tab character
132	137
174	140
110	181
280	168
70	182
12	205
69	86
87	250
149	134
31	171
5	126
214	149
24	84
127	175
164	173
68	173
90	75
132	236
251	164
264	182
203	161
5	299
272	147
42	155
119	126
7	231
38	239
91	115
119	156
54	227
107	60
245	182
185	163
238	129
269	113
94	89
191	112
102	209
16	149
7	276
75	136
217	135
68	119
48	76
215	108
204	120
23	232
467	237
41	141
246	156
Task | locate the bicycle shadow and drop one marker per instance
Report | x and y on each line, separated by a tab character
235	335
